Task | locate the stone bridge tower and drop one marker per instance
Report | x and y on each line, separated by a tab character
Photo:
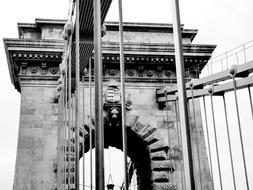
33	61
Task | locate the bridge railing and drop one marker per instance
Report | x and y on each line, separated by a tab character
236	56
225	99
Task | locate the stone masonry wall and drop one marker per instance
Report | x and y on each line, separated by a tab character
37	138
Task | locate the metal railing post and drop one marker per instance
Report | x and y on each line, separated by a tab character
210	90
233	71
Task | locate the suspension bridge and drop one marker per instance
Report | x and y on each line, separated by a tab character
182	117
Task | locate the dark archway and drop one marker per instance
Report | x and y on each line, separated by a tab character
147	151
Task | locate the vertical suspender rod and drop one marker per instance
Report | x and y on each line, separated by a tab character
90	128
83	129
98	97
122	79
77	122
186	139
70	154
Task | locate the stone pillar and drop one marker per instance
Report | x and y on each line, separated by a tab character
37	138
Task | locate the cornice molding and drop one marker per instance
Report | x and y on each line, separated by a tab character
24	56
34	45
158	49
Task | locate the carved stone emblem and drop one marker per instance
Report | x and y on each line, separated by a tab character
34	70
112	72
131	72
53	70
150	73
168	73
112	94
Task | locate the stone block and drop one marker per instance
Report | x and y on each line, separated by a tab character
159	155
157	146
160	176
146	131
137	127
155	136
162	165
163	186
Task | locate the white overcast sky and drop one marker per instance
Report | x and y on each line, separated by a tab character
226	23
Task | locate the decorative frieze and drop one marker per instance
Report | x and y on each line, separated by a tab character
43	69
138	67
34	69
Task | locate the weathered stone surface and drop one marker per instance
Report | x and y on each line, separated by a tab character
165	124
153	137
159	155
157	146
37	140
160	176
164	186
162	165
176	153
137	127
131	120
147	130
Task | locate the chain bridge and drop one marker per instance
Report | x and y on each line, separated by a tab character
142	88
